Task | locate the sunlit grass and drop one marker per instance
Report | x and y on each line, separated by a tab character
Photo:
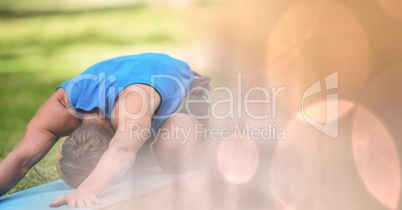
54	41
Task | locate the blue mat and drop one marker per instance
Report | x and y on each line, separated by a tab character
131	185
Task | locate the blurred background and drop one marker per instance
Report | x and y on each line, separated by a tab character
265	43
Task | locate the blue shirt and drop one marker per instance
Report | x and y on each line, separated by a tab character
99	85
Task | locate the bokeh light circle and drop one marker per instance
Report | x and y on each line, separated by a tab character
299	163
296	164
393	8
237	159
376	158
311	41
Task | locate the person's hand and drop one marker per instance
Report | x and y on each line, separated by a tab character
79	198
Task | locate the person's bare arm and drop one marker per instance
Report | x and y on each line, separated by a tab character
50	122
133	107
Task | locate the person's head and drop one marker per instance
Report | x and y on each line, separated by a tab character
81	151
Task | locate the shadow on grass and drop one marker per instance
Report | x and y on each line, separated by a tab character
12	14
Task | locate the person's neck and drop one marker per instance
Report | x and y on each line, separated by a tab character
96	116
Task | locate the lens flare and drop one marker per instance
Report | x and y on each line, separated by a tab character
393	8
313	40
376	158
237	159
295	166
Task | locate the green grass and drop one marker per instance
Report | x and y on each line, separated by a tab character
40	49
21	94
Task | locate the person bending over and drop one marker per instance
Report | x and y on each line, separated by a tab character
109	111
